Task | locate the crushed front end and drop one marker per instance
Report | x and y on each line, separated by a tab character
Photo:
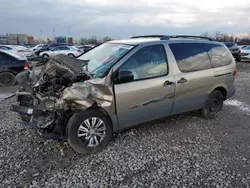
54	90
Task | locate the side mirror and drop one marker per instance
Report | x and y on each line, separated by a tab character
124	77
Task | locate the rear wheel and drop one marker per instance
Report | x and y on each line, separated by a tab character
89	131
45	56
71	55
7	79
213	104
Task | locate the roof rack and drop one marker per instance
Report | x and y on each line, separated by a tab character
167	37
148	36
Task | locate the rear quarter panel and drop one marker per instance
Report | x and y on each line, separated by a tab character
223	76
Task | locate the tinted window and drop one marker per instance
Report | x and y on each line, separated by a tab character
64	48
231	44
247	48
218	54
190	56
56	49
6	59
5	48
147	62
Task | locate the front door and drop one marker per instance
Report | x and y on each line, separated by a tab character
150	95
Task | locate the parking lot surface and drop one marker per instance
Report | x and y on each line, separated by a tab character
180	151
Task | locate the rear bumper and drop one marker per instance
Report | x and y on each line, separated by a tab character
230	92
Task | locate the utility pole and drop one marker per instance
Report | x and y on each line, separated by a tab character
54	39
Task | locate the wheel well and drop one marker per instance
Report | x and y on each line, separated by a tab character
9	72
223	91
103	112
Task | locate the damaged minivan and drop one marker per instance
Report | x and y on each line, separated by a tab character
123	83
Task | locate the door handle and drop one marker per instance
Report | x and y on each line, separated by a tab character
168	83
181	81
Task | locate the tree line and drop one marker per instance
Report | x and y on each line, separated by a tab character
96	40
223	37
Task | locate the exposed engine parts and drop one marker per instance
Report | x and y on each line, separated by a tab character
54	89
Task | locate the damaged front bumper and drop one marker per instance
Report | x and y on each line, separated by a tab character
31	112
28	111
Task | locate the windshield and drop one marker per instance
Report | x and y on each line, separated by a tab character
231	44
101	58
246	48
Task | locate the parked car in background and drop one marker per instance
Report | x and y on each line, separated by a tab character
37	47
29	45
10	65
86	48
245	53
66	50
19	50
120	84
234	49
48	47
242	46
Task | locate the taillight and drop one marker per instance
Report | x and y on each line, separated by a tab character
26	66
20	51
79	51
235	71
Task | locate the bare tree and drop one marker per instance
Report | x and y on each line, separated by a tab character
106	39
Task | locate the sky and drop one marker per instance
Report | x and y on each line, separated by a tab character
123	18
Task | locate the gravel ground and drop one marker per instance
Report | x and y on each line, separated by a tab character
179	151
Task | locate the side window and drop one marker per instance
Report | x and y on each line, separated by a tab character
62	48
65	48
5	48
56	49
147	62
219	55
190	56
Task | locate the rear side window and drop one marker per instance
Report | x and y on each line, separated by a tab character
190	56
219	55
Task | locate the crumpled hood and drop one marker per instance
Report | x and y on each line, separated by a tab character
87	93
62	65
71	64
79	94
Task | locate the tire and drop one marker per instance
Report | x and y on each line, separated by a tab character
80	140
71	55
45	56
213	104
7	79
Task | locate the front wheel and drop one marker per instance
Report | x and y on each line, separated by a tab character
213	104
89	131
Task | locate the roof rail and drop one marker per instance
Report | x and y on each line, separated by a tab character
148	36
190	37
167	37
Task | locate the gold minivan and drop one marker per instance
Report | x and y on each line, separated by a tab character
122	83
